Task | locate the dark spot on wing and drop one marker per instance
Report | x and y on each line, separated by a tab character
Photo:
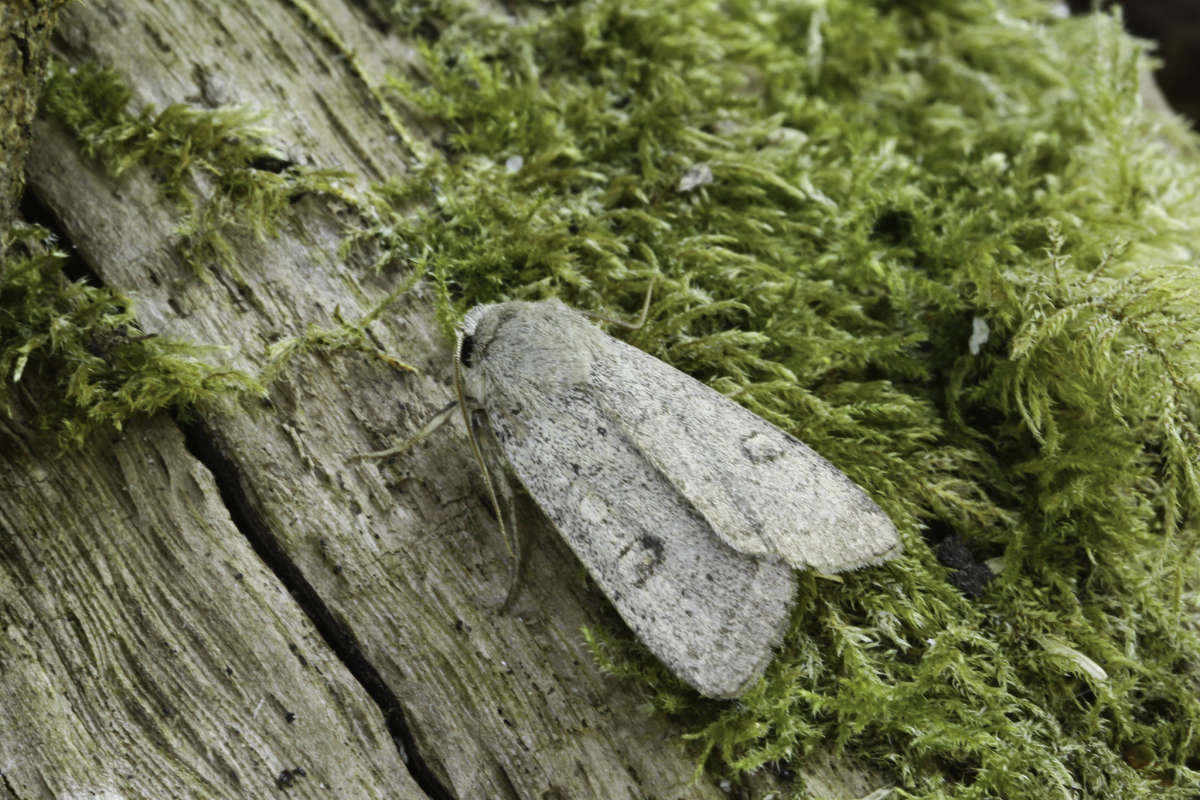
652	544
649	558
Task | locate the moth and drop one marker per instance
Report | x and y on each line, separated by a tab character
690	512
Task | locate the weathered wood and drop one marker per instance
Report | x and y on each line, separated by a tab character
146	651
397	562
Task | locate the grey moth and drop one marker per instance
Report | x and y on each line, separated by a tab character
689	511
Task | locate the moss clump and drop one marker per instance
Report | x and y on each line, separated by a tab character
831	198
244	184
81	347
348	336
220	172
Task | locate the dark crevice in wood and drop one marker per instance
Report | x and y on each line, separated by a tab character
9	791
335	633
34	211
340	639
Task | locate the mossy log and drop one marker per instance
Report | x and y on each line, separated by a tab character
234	606
24	36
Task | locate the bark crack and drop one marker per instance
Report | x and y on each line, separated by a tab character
338	636
8	787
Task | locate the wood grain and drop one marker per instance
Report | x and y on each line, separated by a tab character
127	629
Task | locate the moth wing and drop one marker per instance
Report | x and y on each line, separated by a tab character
761	490
711	613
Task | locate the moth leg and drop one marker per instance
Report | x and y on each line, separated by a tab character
496	466
517	568
428	428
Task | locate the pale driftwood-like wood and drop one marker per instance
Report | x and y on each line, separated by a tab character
397	562
148	652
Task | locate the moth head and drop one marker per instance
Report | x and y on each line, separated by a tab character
474	333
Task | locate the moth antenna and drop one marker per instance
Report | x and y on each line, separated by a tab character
633	326
437	421
487	476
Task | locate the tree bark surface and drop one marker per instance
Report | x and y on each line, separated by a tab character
25	27
243	608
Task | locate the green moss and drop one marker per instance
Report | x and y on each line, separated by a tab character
352	336
222	176
79	349
883	175
248	184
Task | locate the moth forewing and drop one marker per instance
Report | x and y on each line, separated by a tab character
763	491
688	511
